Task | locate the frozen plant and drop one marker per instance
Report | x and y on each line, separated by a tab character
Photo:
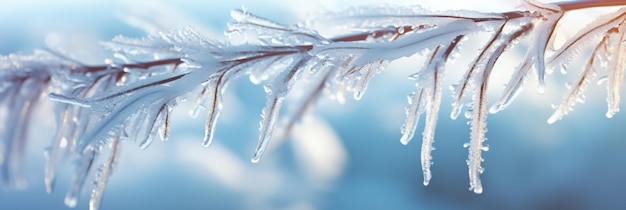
131	96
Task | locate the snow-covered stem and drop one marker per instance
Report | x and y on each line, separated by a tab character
129	101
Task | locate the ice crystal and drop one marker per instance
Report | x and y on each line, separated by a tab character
130	98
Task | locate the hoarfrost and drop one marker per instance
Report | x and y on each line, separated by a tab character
130	99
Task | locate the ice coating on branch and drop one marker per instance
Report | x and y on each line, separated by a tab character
576	91
477	78
276	92
616	68
385	15
303	97
266	126
478	127
487	58
103	175
607	54
513	88
185	44
478	65
549	16
413	113
83	168
127	97
23	80
214	110
130	97
427	97
145	99
404	46
251	29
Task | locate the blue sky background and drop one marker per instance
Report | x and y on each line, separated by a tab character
347	156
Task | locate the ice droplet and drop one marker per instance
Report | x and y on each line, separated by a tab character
610	113
485	148
541	88
478	190
71	201
563	68
602	80
358	94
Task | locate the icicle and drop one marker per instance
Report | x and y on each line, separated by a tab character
214	110
366	74
269	116
550	16
433	98
515	84
478	129
432	112
576	93
52	153
420	98
82	169
78	128
200	101
513	88
617	63
478	121
485	60
413	112
276	92
301	105
164	129
15	133
209	128
103	175
428	135
427	97
570	49
150	124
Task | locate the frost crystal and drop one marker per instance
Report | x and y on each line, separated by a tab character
130	98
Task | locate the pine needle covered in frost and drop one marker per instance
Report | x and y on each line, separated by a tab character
130	97
427	97
23	80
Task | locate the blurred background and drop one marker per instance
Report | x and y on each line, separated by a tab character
343	156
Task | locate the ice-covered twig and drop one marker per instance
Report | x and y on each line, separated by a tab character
118	101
